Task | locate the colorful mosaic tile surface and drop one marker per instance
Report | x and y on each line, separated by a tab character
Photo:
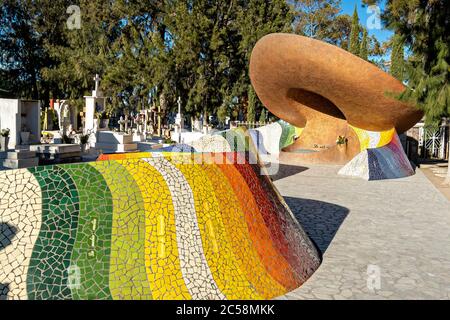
381	156
373	139
386	162
269	139
149	226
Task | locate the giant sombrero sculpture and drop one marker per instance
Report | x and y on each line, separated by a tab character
330	93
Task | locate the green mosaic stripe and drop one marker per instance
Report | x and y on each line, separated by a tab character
47	276
287	135
127	274
91	252
236	139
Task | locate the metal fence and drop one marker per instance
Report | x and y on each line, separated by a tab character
433	142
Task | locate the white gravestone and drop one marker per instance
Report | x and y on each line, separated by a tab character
18	116
94	104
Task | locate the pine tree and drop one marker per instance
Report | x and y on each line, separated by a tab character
82	54
255	19
251	108
22	55
222	114
364	49
354	43
397	58
424	26
315	18
201	52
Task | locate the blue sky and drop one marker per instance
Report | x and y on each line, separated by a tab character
349	5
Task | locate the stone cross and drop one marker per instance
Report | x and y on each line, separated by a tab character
126	123
122	124
97	82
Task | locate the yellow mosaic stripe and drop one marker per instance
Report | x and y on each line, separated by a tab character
298	131
386	137
194	267
161	252
127	274
372	139
237	235
218	252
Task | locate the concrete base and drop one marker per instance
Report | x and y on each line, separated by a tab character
111	147
112	137
110	141
20	163
138	138
57	153
148	146
59	156
18	159
55	148
186	136
20	154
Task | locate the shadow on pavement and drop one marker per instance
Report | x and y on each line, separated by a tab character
286	170
4	289
320	220
7	233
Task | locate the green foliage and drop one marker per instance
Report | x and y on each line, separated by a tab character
251	108
315	18
255	19
364	49
424	25
145	50
222	114
263	116
354	45
398	58
20	56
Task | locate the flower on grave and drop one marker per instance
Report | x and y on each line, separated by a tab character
341	140
5	133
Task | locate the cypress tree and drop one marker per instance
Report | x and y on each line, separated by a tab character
354	44
263	116
364	50
251	111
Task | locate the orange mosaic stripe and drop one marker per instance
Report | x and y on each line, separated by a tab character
274	262
234	222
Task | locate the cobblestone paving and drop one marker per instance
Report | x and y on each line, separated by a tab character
399	229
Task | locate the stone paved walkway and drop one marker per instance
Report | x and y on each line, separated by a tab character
399	229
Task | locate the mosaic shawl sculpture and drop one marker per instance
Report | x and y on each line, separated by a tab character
381	153
331	93
149	226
